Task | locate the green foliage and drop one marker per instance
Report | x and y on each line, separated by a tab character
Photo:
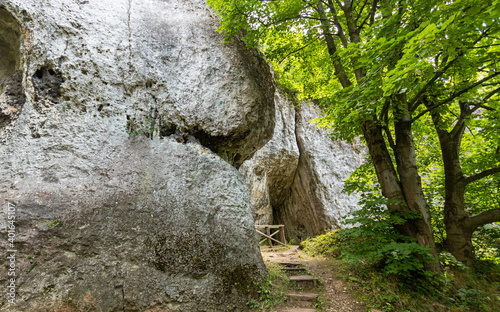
326	244
54	223
471	299
459	289
399	53
273	290
486	241
372	234
374	238
435	60
448	261
253	304
147	130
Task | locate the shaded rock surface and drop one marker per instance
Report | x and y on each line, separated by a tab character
270	172
308	197
122	123
170	230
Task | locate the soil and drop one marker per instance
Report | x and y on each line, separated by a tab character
335	295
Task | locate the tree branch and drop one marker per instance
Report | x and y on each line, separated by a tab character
339	4
389	137
486	98
332	49
484	217
373	11
492	93
293	52
337	23
415	102
361	11
454	96
364	21
492	84
482	47
481	175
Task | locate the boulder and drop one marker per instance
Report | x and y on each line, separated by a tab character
121	124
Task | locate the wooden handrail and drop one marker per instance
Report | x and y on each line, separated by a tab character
269	226
269	236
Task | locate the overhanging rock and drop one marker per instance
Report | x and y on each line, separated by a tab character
120	157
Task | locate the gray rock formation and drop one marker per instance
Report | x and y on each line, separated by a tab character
270	172
297	178
119	123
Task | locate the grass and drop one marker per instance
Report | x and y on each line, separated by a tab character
272	292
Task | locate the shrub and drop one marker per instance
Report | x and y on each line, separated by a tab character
326	244
372	237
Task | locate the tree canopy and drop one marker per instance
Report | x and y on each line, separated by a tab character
419	80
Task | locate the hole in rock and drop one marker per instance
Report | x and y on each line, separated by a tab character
39	74
47	83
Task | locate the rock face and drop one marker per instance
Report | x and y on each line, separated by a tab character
270	172
297	178
121	124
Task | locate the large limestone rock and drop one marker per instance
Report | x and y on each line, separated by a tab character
270	172
121	124
316	202
307	197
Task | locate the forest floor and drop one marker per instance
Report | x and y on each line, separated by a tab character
334	295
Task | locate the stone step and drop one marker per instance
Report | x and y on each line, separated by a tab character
303	279
290	264
292	269
272	249
302	296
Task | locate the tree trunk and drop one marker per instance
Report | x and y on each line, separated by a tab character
459	237
420	229
459	227
410	179
456	220
410	191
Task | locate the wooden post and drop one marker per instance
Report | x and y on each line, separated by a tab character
282	232
268	236
268	232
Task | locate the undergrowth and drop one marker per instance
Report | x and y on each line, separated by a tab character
387	269
459	289
272	292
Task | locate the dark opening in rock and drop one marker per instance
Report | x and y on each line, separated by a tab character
39	74
9	44
47	83
11	91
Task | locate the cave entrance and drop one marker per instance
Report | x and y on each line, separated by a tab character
10	32
11	91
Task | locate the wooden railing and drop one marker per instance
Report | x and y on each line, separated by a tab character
269	236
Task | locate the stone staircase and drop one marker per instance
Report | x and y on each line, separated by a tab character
305	297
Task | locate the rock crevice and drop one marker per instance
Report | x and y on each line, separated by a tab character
308	198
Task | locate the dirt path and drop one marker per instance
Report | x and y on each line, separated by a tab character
335	293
